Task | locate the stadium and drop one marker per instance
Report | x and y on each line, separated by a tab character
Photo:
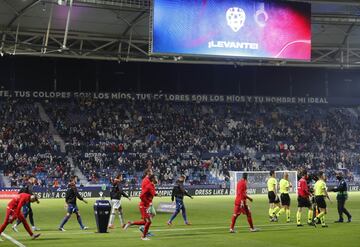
179	122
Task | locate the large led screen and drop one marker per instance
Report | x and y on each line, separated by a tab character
242	28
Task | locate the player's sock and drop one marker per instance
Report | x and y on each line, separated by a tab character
3	226
310	216
139	223
233	221
63	222
111	220
78	217
271	212
249	219
298	218
6	222
288	215
27	227
183	212
320	215
276	210
173	216
146	228
322	219
31	217
282	210
121	217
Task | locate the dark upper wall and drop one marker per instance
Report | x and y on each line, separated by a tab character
30	73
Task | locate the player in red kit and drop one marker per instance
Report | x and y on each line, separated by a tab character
147	194
303	199
241	206
146	180
13	212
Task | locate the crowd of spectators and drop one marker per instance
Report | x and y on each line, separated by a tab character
26	146
50	171
21	130
204	140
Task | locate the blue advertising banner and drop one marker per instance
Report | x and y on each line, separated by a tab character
98	192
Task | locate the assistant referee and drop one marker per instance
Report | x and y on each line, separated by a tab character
285	186
273	197
320	194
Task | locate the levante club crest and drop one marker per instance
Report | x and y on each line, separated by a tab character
235	18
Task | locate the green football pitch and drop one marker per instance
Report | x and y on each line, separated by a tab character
210	218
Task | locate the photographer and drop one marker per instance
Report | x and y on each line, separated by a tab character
341	198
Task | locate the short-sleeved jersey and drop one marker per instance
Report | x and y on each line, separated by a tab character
284	186
241	192
320	188
147	194
303	188
145	182
271	184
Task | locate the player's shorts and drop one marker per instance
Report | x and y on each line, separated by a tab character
272	197
241	210
26	209
144	210
313	200
179	204
285	199
116	204
303	202
72	208
320	201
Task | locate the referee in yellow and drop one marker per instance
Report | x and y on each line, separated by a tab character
320	194
274	201
285	186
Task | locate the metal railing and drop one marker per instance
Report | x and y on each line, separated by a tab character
139	4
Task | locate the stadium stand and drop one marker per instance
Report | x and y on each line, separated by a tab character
26	146
204	141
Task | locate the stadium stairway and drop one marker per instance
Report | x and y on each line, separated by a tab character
4	181
353	112
52	130
78	173
58	139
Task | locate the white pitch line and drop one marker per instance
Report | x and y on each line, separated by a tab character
14	241
46	233
275	226
67	233
306	229
216	227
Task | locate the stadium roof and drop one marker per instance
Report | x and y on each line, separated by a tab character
119	30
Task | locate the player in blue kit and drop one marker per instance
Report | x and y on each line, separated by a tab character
71	195
178	194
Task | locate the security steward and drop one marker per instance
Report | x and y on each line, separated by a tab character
341	198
